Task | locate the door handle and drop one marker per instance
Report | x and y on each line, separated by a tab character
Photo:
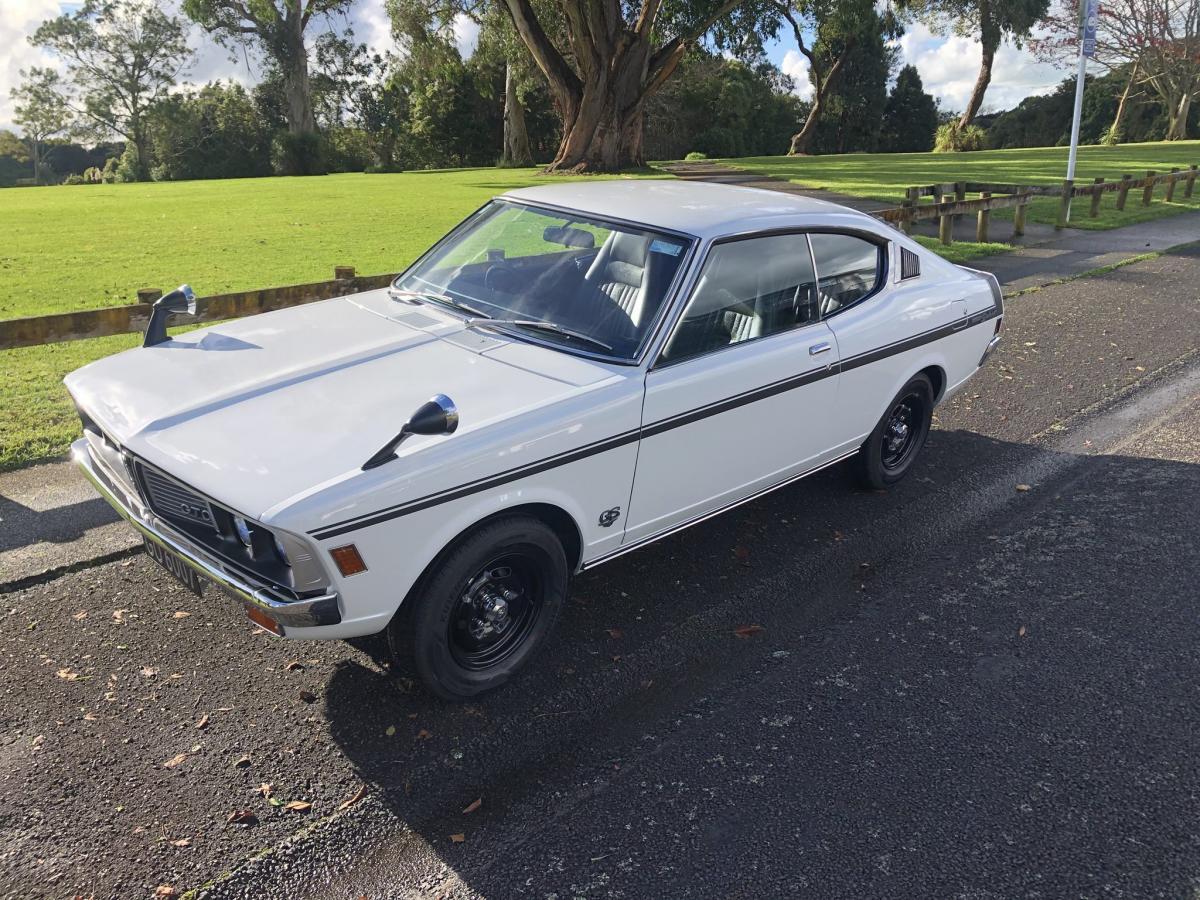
817	349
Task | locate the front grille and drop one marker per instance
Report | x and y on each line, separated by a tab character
172	500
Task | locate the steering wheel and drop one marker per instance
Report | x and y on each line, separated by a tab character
501	278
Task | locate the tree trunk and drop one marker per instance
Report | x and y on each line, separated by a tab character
802	138
293	61
35	153
517	151
1114	130
990	43
602	129
1177	123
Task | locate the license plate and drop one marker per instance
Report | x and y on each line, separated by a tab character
173	563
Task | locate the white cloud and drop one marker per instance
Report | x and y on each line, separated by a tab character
950	65
796	65
466	35
18	20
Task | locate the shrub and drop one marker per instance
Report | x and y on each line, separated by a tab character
75	179
696	156
129	166
109	175
952	139
298	154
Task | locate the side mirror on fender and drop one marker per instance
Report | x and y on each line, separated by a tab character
438	415
179	302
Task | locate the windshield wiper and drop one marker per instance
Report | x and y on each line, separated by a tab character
409	296
539	325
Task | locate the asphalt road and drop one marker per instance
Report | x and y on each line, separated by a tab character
959	688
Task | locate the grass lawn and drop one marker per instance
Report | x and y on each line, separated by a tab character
885	176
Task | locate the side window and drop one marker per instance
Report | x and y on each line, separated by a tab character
848	268
747	289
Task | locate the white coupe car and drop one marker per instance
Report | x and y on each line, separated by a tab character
608	361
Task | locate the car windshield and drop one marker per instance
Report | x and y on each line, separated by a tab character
566	278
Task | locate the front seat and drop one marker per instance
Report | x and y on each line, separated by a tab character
619	271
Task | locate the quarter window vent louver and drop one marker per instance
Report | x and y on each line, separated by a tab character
910	264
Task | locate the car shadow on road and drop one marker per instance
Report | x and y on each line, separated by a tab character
22	526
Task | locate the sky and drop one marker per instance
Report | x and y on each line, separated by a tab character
947	64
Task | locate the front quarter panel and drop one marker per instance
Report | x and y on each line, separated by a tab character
577	455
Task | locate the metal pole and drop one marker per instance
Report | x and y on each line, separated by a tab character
1079	81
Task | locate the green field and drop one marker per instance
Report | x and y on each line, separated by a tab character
885	176
89	246
83	247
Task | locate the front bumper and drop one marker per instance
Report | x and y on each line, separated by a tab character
308	612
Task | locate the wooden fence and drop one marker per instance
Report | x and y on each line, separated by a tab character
950	203
89	323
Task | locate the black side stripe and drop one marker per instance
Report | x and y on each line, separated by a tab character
646	431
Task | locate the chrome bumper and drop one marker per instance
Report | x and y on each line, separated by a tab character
309	612
992	344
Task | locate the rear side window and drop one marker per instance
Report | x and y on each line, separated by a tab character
848	268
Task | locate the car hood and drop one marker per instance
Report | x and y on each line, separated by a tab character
263	410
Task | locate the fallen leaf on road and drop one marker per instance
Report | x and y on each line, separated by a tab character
148	671
615	633
265	789
89	717
391	729
1021	631
275	801
203	722
1024	487
298	806
66	674
471	807
745	631
80	616
119	615
37	742
346	804
741	552
294	665
242	817
242	762
180	614
165	892
457	838
182	842
423	735
174	760
308	696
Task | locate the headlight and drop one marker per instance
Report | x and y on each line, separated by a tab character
282	551
243	530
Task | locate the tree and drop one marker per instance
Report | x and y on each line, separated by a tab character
910	117
1156	42
498	49
278	28
122	56
990	21
215	132
855	106
602	59
836	27
42	112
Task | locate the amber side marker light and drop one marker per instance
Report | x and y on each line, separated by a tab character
262	620
348	560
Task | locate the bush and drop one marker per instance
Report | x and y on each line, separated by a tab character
129	167
76	179
109	175
952	139
696	156
298	154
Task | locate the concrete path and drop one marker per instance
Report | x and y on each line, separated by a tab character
51	520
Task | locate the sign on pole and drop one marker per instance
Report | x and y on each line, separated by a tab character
1090	11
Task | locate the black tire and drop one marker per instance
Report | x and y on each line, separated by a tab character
482	612
889	453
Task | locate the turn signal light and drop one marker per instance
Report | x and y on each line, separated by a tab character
262	620
348	560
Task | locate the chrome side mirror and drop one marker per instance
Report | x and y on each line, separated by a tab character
181	301
438	415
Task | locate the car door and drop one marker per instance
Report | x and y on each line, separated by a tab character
740	396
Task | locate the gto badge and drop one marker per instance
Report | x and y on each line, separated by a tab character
609	516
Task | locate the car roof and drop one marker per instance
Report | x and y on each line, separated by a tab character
698	208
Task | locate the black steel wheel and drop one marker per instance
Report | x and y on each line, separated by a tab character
887	455
483	608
